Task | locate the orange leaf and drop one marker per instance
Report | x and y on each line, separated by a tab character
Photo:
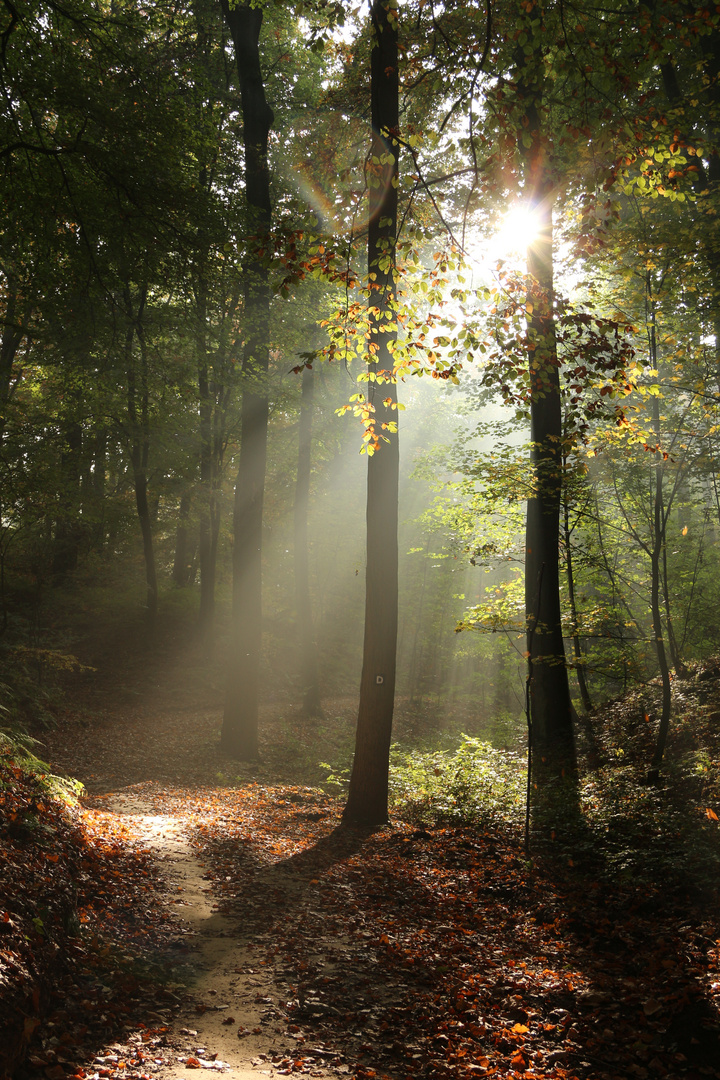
520	1029
711	814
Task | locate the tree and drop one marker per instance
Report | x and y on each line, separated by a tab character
312	705
240	720
367	802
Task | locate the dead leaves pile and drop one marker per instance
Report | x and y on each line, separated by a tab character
407	953
80	912
443	954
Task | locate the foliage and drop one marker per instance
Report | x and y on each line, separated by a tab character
68	883
475	784
17	751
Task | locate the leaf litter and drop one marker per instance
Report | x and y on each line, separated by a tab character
406	952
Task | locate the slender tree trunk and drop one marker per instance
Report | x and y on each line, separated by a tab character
99	481
368	796
312	705
550	705
66	540
10	341
577	645
207	487
415	689
240	721
140	448
658	545
183	555
675	656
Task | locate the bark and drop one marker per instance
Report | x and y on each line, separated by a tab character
10	342
549	698
368	795
675	656
182	563
312	704
68	527
138	414
208	497
656	553
239	736
577	645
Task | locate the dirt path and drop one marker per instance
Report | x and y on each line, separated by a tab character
143	740
232	1023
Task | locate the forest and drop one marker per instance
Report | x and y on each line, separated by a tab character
359	524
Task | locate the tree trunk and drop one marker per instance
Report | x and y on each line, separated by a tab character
68	527
183	554
239	736
577	645
658	545
312	705
10	342
368	796
140	449
207	486
550	705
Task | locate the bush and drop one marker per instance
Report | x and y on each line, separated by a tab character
473	784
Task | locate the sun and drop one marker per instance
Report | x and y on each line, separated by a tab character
519	227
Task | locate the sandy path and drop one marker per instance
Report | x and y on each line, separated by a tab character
233	1026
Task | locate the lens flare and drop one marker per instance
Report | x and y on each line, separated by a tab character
327	171
520	226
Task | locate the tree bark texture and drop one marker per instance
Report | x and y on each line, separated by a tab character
577	644
368	796
239	736
140	453
550	706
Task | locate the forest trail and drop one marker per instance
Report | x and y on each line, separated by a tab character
229	996
146	751
411	952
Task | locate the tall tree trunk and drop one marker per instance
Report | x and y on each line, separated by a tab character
569	569
207	487
140	446
240	721
183	554
312	705
68	527
675	655
10	342
658	545
549	698
368	796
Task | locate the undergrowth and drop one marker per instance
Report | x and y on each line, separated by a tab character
473	784
17	754
666	833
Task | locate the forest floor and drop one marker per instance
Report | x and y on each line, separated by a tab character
196	914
